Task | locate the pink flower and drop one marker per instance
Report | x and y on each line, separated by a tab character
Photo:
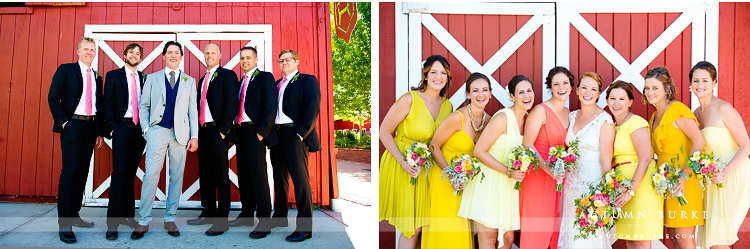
601	197
566	159
414	156
711	168
421	161
704	171
572	158
616	185
458	169
665	174
600	223
517	164
552	159
470	172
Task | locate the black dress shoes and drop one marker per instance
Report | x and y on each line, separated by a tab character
172	229
131	222
138	232
260	232
242	221
111	233
82	223
199	221
298	236
217	230
67	235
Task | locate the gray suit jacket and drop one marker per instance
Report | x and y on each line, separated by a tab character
153	101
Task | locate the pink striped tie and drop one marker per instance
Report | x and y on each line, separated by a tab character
89	107
134	98
242	99
202	115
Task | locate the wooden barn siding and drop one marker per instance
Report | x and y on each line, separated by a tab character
630	35
30	160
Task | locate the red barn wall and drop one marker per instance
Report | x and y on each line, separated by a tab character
36	43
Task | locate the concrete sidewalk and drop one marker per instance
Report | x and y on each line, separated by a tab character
35	225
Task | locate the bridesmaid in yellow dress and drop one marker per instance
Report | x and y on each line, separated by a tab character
675	132
454	137
634	158
414	118
726	137
493	203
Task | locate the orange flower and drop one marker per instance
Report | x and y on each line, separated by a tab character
585	202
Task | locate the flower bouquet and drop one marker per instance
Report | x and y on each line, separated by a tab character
596	210
522	159
463	169
667	179
563	159
706	165
418	156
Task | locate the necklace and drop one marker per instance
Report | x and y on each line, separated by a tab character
471	117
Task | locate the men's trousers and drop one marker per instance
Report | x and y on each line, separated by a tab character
161	141
77	143
289	158
213	168
252	173
127	151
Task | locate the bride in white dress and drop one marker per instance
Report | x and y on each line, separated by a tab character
595	131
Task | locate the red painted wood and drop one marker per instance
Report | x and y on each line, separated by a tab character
32	106
7	36
726	55
386	64
46	142
605	26
18	93
638	43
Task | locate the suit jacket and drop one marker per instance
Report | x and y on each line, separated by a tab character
65	92
302	105
154	99
261	105
115	102
221	98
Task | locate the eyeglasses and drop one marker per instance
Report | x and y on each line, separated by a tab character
287	60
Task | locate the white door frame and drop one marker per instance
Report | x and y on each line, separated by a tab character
704	18
259	36
411	16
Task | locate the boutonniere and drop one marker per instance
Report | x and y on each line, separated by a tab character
184	78
214	76
96	74
295	77
255	73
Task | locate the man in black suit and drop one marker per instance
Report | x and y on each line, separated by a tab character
74	99
299	105
254	123
217	109
122	94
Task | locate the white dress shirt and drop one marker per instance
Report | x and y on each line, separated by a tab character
129	112
250	78
81	108
282	118
207	110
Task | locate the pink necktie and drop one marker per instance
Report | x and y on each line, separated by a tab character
134	98
242	99
278	93
89	107
202	115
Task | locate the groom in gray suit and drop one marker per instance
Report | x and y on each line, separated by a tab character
169	119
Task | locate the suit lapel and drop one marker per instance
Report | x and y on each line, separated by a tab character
182	85
143	78
161	77
123	79
79	87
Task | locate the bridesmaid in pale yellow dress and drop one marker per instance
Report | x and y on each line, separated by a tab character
726	137
414	118
634	158
675	132
454	137
493	203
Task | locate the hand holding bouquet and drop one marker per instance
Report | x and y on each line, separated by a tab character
706	165
563	159
463	169
597	209
418	156
522	159
667	179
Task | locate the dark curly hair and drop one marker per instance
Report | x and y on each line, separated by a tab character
427	66
662	74
556	70
705	65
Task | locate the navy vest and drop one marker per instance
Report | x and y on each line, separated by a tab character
167	121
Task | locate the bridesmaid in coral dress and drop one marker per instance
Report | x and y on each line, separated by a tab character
726	137
546	126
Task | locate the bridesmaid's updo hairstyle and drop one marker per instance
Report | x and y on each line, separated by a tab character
705	65
475	76
554	71
517	80
622	85
662	74
427	66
